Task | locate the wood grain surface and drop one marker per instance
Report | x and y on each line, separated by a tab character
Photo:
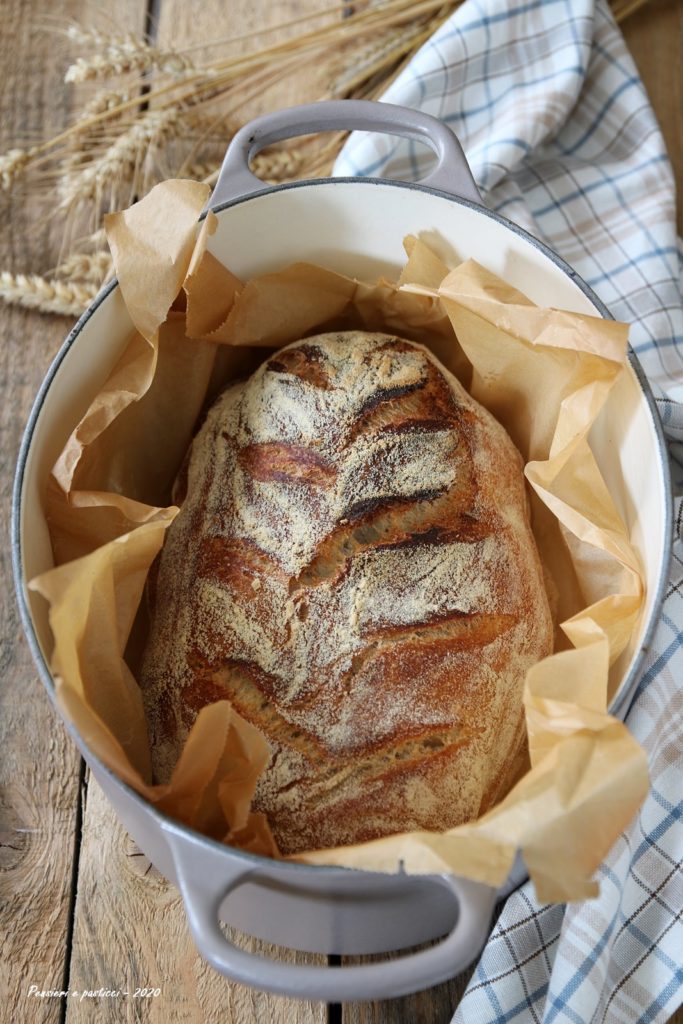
130	932
80	906
39	766
654	35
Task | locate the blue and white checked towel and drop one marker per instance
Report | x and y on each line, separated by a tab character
561	138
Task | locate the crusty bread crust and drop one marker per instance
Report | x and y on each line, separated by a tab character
353	567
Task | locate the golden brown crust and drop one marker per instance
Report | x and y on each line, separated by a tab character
353	567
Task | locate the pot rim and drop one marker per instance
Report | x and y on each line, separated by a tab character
626	690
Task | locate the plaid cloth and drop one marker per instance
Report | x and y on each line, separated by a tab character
561	138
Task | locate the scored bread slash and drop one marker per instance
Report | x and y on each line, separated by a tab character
354	569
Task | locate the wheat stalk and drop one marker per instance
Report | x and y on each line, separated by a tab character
121	140
122	157
208	81
206	171
12	164
91	268
195	81
219	74
102	102
279	164
368	57
34	292
121	55
623	9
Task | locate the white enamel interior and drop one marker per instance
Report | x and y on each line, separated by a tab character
357	228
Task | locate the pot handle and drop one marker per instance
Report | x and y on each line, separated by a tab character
203	891
452	173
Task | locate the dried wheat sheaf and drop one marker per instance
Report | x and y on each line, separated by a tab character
145	113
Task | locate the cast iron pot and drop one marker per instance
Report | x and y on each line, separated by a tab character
355	226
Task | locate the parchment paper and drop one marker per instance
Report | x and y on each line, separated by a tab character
545	374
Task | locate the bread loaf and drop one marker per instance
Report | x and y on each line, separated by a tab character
353	568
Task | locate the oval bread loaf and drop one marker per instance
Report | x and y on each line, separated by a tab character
354	569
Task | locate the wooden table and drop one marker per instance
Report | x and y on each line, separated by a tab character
80	905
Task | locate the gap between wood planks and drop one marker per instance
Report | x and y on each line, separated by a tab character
83	778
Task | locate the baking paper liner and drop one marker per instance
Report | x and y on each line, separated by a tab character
544	373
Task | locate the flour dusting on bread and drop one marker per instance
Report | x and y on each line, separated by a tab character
353	568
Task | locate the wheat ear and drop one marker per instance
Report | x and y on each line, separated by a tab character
278	165
12	164
123	156
34	292
120	55
90	268
103	101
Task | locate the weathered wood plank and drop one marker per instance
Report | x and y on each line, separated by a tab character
130	928
131	932
39	768
654	36
182	24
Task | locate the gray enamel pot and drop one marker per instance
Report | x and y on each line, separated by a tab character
355	226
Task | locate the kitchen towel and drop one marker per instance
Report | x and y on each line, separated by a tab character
561	139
